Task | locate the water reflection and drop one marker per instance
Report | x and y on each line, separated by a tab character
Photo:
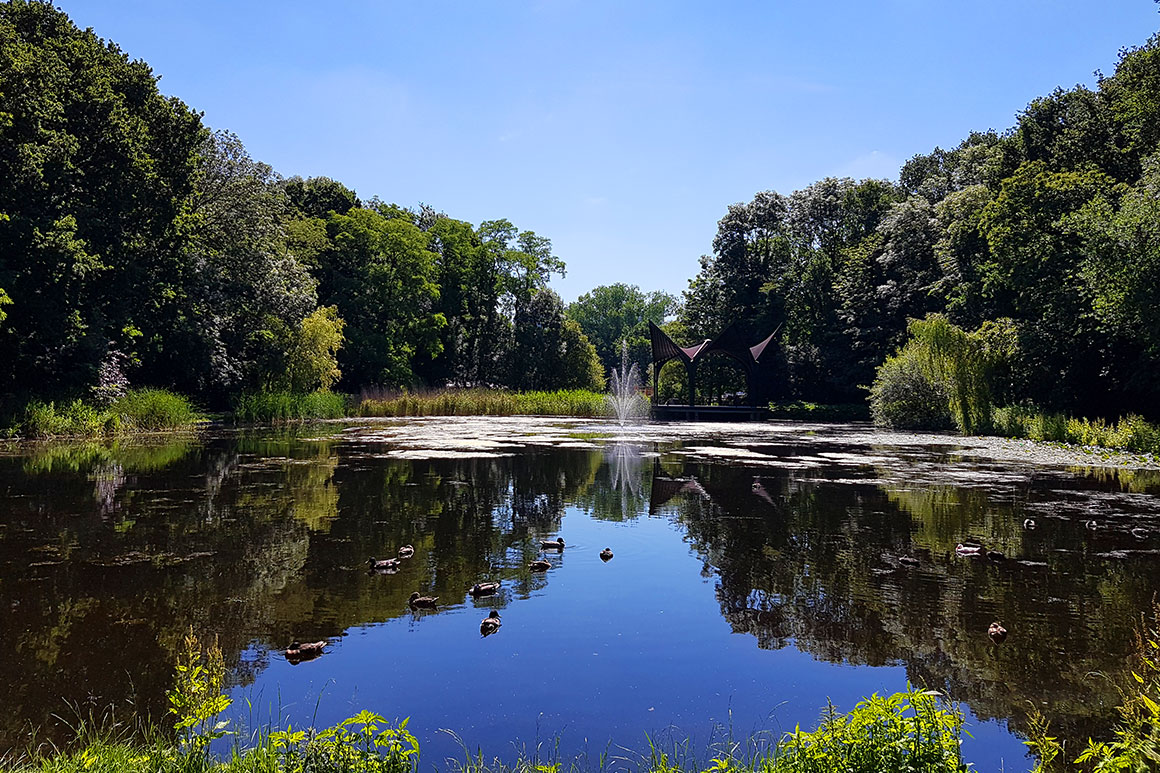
110	551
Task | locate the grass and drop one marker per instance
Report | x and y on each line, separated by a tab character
140	410
1131	433
484	402
274	407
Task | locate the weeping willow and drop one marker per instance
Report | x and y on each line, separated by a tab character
960	363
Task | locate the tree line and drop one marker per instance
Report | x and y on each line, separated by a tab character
138	246
1044	238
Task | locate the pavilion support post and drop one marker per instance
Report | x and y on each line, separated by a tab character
692	371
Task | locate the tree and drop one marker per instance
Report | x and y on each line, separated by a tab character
313	357
1122	269
94	178
550	351
380	274
242	293
610	314
317	197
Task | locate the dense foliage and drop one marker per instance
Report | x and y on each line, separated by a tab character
612	315
139	248
1052	227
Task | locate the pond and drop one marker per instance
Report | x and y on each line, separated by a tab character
758	572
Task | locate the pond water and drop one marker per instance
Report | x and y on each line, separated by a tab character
759	571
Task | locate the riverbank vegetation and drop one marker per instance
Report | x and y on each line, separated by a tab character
204	272
486	402
138	410
911	730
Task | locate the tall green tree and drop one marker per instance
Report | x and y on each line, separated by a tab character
241	294
550	351
612	314
95	175
381	275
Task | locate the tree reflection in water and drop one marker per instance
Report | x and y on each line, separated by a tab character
108	552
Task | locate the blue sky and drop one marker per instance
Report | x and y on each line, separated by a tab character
619	130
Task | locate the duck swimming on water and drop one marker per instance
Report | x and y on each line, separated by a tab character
606	554
383	565
490	624
558	544
300	651
427	602
483	588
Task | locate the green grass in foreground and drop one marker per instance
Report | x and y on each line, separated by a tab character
140	410
486	402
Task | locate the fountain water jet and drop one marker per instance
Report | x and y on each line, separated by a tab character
625	401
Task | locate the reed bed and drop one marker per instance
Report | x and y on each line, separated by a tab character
484	402
276	407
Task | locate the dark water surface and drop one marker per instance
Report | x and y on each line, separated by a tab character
756	575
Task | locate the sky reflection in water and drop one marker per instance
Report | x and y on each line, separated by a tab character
746	587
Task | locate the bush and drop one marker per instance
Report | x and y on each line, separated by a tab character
904	396
269	406
140	410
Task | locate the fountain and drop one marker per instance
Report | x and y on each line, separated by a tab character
625	401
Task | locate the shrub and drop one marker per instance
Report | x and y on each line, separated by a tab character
807	411
1131	433
904	396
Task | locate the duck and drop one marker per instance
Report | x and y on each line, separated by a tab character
997	632
427	602
383	565
299	651
1028	523
968	549
908	560
558	544
540	565
490	624
483	588
996	555
406	551
1140	532
606	554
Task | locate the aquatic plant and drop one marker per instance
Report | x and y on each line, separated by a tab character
483	402
280	406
